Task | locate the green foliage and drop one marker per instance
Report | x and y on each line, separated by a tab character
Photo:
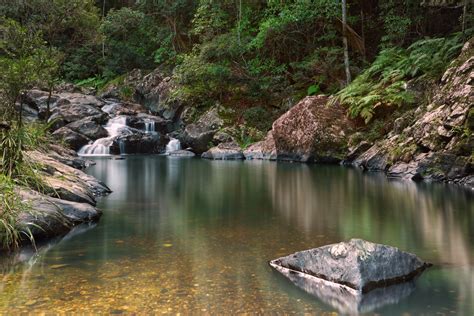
17	171
247	135
70	26
128	43
97	82
259	118
24	60
11	206
313	89
200	80
384	82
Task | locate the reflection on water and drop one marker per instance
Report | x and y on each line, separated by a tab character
189	235
347	300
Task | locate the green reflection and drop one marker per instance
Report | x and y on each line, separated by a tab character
189	235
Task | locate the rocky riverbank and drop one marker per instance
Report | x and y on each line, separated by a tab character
67	198
430	141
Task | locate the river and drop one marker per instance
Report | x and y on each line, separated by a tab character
195	236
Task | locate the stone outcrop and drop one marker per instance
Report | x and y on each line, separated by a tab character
224	151
357	264
67	197
311	131
88	127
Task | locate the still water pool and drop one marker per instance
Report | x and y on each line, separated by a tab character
195	236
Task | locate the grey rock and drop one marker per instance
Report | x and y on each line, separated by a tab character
73	139
374	159
142	143
224	151
198	137
181	153
88	127
357	264
52	216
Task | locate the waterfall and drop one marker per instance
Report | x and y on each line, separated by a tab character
122	147
101	147
173	145
150	127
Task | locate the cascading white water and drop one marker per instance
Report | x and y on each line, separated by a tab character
101	147
173	145
150	127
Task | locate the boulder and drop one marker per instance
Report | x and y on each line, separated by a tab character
68	113
199	135
74	98
88	127
51	216
124	108
73	139
265	149
312	131
224	151
356	265
142	143
67	182
374	159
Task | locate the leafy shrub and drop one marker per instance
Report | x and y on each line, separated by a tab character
201	81
258	118
128	42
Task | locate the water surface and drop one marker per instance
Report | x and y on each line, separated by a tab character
195	236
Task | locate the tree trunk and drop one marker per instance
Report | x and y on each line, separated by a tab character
464	13
48	104
20	114
344	39
103	39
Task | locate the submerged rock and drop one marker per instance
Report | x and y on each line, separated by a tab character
358	265
349	301
181	153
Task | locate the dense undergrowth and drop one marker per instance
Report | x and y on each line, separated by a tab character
18	172
385	82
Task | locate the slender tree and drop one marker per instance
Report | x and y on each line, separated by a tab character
344	39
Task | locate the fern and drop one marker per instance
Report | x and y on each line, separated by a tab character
384	82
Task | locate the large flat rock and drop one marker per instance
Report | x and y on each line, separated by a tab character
357	264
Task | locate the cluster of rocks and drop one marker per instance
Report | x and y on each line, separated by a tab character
79	119
68	195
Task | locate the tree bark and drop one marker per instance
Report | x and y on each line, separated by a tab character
344	40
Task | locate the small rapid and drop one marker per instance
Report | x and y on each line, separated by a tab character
173	145
101	147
